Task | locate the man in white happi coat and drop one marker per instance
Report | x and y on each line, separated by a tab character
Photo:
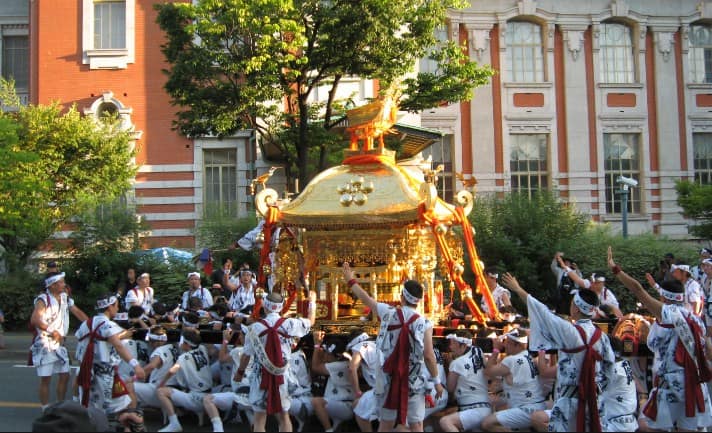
520	383
196	291
585	356
242	299
468	383
194	380
100	350
619	399
50	319
141	295
680	398
161	359
269	345
596	283
365	359
501	296
405	341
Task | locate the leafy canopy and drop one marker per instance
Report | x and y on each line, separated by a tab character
696	203
256	64
56	164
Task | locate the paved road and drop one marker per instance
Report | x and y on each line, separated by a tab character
18	394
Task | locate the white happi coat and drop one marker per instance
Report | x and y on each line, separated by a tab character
195	374
106	363
471	386
386	343
619	400
45	349
549	331
525	389
143	298
201	293
242	298
498	296
671	390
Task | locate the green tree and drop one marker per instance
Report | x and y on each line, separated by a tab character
234	64
56	164
696	203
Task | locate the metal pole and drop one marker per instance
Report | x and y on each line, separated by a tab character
624	194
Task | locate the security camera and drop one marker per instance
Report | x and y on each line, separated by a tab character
627	181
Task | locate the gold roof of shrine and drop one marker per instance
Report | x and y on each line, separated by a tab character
378	194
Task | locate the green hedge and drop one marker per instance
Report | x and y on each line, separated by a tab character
17	293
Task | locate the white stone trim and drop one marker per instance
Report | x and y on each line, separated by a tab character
170	216
165	200
168	233
166	168
111	58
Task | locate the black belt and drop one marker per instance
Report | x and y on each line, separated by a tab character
474	406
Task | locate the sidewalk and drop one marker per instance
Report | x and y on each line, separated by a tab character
17	346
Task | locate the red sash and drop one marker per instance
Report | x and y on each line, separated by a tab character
270	382
87	365
397	365
588	390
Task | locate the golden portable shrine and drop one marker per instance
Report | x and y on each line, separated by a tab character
382	217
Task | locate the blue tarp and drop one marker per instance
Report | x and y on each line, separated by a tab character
168	255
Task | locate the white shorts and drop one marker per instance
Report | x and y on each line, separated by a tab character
56	367
471	419
620	424
416	409
366	406
301	406
258	397
146	394
191	401
224	400
518	417
340	410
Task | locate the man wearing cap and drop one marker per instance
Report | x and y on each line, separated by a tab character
697	271
141	295
50	318
196	291
194	380
162	358
405	341
597	284
100	350
585	357
269	344
680	398
520	382
500	295
468	383
693	291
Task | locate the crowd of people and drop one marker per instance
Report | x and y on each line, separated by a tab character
559	374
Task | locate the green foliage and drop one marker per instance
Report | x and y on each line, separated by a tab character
521	236
696	202
56	164
230	60
107	227
16	298
218	230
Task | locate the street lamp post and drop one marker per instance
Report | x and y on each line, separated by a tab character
626	184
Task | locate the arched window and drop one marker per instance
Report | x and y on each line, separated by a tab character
525	53
617	62
700	54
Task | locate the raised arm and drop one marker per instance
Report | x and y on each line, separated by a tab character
512	284
571	273
650	303
358	291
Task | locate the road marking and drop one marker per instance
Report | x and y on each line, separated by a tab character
19	404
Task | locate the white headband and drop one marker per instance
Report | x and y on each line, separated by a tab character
189	343
53	279
357	340
585	307
193	274
272	307
598	278
684	268
409	298
188	324
672	296
156	337
105	303
518	335
461	340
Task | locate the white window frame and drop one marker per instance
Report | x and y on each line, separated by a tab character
618	69
108	58
702	157
699	73
16	30
521	53
612	199
235	205
543	176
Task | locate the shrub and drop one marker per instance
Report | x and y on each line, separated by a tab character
19	290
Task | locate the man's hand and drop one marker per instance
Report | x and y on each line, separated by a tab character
56	336
348	273
139	373
611	262
318	337
651	280
439	389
